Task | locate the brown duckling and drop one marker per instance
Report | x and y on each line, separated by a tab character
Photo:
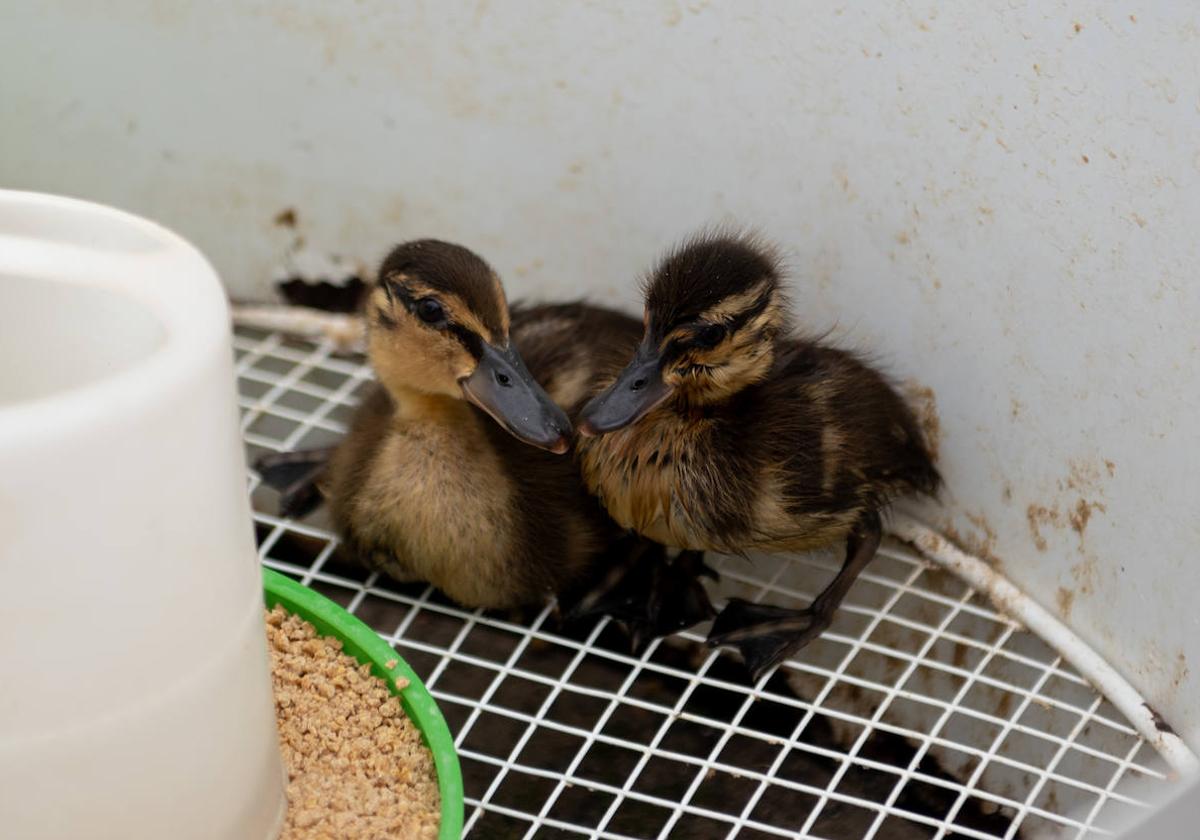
726	433
452	471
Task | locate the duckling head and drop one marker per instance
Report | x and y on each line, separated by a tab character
438	324
714	307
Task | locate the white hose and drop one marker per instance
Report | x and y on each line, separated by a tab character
345	331
1014	603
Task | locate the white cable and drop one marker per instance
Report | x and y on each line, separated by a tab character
345	331
1017	605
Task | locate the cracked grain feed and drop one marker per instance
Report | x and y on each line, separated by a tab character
356	765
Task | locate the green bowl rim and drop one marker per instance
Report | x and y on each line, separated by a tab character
361	642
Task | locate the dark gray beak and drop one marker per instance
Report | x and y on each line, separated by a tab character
638	389
503	387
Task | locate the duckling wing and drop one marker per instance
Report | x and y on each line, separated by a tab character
845	438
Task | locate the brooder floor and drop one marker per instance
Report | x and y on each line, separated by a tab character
921	713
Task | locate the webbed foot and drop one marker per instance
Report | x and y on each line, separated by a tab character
677	599
294	475
651	596
766	635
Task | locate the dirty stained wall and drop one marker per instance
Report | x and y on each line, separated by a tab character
1000	202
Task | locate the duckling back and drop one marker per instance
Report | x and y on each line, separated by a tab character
827	439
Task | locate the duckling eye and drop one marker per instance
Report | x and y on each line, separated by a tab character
709	335
431	312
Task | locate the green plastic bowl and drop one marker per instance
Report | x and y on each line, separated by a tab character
361	642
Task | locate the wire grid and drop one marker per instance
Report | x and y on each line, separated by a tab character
921	713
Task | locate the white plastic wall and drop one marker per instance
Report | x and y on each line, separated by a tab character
1003	203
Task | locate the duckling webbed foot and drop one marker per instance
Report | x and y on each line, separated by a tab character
767	635
651	595
294	475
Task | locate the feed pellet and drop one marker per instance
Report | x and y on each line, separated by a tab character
356	765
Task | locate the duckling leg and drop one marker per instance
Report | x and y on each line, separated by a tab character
678	599
650	595
674	599
614	591
294	475
766	635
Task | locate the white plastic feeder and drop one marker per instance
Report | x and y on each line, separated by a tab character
135	700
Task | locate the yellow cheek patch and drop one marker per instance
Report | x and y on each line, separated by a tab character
734	305
404	360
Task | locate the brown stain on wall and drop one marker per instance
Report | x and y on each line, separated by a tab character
1081	475
1065	599
1084	479
923	401
980	521
842	177
1039	516
1081	514
1180	672
1085	573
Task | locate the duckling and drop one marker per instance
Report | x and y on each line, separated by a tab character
453	469
726	433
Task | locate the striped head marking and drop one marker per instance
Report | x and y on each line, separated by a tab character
438	324
714	307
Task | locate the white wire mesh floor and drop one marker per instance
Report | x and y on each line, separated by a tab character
921	713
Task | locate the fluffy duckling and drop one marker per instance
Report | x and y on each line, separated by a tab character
727	434
452	471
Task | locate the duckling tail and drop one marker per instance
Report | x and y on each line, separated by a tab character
926	478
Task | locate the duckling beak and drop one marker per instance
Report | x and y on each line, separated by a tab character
638	389
503	387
